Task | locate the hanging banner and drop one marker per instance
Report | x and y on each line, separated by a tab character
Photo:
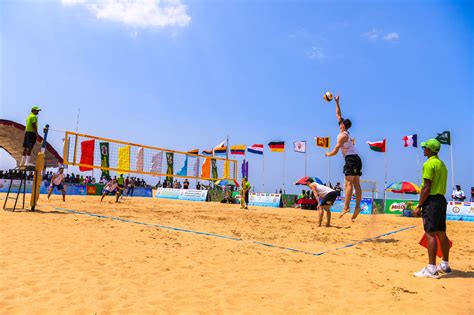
124	159
170	162
215	175
226	169
206	168
184	169
140	159
157	162
87	155
104	158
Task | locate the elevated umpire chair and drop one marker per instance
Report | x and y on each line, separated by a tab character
21	189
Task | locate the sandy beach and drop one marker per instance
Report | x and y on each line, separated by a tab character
54	261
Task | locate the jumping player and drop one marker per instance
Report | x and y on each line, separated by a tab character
31	131
325	197
57	181
111	188
353	163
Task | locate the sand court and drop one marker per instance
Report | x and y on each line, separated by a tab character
64	261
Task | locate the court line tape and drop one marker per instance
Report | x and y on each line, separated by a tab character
231	237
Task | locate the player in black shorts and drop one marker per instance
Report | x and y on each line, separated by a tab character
29	141
353	163
325	197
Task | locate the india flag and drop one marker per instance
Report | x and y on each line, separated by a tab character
378	146
410	141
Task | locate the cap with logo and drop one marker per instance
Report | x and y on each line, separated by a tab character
432	144
36	108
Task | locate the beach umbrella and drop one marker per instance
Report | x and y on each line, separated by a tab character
403	188
227	182
302	181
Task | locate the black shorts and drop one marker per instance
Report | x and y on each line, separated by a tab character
434	214
329	199
30	140
353	166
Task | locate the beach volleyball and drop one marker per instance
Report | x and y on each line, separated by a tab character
328	96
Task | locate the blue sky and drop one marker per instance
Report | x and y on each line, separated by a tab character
254	70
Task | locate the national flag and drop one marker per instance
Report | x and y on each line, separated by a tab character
377	146
87	155
444	137
410	141
207	152
322	142
195	151
277	146
220	151
238	149
256	149
300	146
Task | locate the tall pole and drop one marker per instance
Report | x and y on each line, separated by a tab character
283	178
452	160
329	168
263	172
418	173
305	163
77	119
385	181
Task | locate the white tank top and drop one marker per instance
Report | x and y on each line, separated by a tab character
58	179
348	147
323	190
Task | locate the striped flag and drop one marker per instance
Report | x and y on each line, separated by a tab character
238	149
220	151
207	152
410	141
377	146
322	142
277	146
300	146
256	149
195	151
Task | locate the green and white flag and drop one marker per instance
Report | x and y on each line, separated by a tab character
444	137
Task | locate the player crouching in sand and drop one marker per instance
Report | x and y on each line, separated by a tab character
325	197
111	188
58	182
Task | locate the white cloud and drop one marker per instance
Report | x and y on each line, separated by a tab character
391	36
137	13
372	34
316	53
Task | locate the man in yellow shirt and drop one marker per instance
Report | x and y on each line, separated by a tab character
31	132
432	205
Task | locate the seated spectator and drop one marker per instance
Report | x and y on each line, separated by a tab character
458	194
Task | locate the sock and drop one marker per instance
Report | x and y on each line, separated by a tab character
444	263
432	268
23	158
27	159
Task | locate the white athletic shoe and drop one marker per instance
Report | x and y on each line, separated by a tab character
444	269
426	273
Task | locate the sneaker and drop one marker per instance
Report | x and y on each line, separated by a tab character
425	273
442	268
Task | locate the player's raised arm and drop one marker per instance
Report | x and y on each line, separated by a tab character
340	141
338	109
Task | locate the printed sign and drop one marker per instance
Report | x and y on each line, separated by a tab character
396	206
181	194
264	200
458	210
5	183
365	205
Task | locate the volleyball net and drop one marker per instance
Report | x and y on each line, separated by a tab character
91	152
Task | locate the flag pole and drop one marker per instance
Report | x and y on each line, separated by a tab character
283	178
263	172
418	173
329	167
385	180
305	162
452	161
